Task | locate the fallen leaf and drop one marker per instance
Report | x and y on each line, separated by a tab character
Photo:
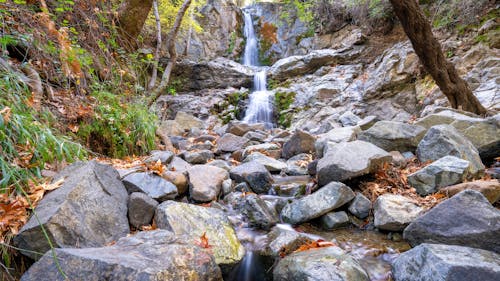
5	112
204	241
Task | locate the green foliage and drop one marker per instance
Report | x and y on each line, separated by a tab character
229	109
168	11
455	14
302	8
377	9
282	103
27	141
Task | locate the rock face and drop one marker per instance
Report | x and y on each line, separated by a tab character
394	212
324	200
323	264
195	221
153	185
205	182
149	255
392	135
253	173
230	143
443	172
300	142
466	219
446	262
443	140
92	193
348	160
141	209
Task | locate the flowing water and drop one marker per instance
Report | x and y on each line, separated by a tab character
260	108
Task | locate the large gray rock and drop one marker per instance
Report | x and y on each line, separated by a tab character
283	240
323	264
300	142
255	174
489	188
392	135
195	221
198	157
324	200
360	206
466	219
349	119
442	172
91	193
443	140
149	255
297	165
240	128
141	209
230	143
334	220
271	164
164	156
270	149
394	212
153	185
347	160
179	165
254	209
446	262
205	182
335	135
188	121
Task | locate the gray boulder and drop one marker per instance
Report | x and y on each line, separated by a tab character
349	119
230	143
148	255
271	164
335	135
141	209
392	135
240	128
91	192
394	212
284	241
153	185
205	182
254	174
446	262
324	200
347	160
179	165
164	156
188	121
297	165
254	209
466	219
270	149
197	157
334	220
300	142
360	206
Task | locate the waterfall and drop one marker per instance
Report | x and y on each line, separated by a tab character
260	108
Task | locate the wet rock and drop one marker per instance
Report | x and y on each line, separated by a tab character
360	206
323	264
442	172
324	200
269	149
300	142
490	189
392	135
335	135
178	179
443	140
197	157
153	185
91	192
334	220
230	143
179	165
349	119
446	262
254	174
205	182
271	164
297	165
164	156
194	221
240	128
284	240
148	255
394	212
254	209
141	209
347	160
466	219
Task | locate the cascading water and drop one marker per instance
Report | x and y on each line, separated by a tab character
260	109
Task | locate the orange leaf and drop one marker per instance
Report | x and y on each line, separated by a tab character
5	112
204	241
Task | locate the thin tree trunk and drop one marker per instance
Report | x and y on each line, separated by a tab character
171	50
132	15
428	49
190	34
152	82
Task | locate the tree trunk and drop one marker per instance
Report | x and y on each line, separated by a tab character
428	49
165	79
152	82
131	17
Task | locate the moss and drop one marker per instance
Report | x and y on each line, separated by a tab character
282	103
229	109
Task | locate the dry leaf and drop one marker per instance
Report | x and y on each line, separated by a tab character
204	241
6	112
315	244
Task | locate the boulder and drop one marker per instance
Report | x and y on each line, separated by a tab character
442	172
489	188
300	142
205	182
169	128
256	136
230	143
220	164
323	264
297	165
240	128
271	164
284	240
164	156
443	140
91	192
148	255
349	119
254	209
466	219
324	200
335	135
392	135
446	262
254	174
153	185
394	212
360	206
269	149
334	220
195	221
179	165
347	160
178	179
198	157
188	121
141	209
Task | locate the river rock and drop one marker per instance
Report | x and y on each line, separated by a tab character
324	200
446	262
255	210
300	142
392	135
148	255
256	136
466	219
253	173
360	206
271	164
230	143
323	264
205	182
91	192
442	172
334	220
335	135
394	212
269	149
164	156
489	188
443	140
178	179
195	221
179	165
240	128
297	165
284	240
197	157
141	209
153	185
347	160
